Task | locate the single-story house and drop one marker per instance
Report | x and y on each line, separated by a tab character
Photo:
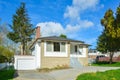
52	51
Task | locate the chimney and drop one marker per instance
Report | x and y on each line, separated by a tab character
37	32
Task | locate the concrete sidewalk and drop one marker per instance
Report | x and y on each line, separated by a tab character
66	74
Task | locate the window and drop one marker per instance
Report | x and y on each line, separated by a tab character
75	48
56	46
49	47
62	47
80	48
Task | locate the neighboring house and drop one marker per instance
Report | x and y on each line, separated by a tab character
116	54
53	51
93	53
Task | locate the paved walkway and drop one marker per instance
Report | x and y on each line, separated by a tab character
67	74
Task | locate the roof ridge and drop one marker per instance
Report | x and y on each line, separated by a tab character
58	37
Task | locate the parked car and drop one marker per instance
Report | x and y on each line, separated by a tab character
100	56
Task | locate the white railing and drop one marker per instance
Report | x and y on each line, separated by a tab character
78	55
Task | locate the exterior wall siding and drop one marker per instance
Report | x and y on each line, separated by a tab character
84	60
37	55
51	62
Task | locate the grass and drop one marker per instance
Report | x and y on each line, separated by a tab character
114	64
107	75
7	74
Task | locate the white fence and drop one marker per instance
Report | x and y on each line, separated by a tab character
3	65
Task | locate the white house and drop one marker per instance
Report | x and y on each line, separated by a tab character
51	51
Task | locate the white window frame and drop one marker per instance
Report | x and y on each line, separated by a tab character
55	53
64	45
51	46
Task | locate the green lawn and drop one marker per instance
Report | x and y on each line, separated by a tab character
7	74
114	64
107	75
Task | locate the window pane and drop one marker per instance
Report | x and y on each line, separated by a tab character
75	48
62	47
56	46
49	46
80	48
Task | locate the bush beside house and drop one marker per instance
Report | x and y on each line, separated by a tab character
6	55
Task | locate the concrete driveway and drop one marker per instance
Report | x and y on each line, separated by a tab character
66	74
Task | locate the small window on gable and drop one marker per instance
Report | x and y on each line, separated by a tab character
49	46
56	46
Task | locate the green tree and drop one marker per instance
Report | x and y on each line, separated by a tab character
117	24
6	45
63	36
8	54
108	41
101	43
22	29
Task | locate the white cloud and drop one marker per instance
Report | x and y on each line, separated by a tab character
55	29
51	28
82	24
72	29
86	23
73	14
79	6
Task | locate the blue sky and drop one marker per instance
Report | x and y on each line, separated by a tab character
78	19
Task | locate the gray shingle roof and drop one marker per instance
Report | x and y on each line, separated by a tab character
56	38
59	39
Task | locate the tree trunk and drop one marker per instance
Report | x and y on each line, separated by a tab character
111	56
21	53
22	48
26	47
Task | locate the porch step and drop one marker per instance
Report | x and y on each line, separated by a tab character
75	63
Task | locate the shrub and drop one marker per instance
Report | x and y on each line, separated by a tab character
64	66
58	67
2	59
5	54
44	70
